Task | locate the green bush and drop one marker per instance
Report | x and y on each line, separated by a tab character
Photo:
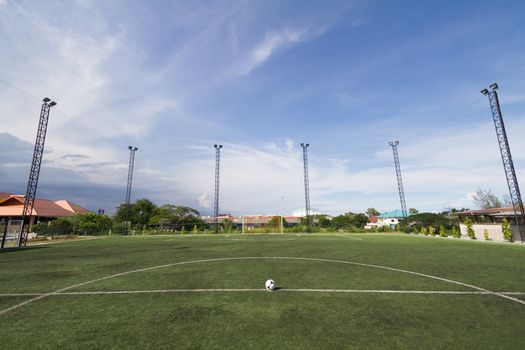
470	231
507	232
443	231
455	232
486	234
431	230
424	231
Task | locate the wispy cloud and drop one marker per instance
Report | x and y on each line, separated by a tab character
262	51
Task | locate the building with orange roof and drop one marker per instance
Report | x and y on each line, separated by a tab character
44	210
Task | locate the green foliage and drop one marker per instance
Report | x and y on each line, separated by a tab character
425	220
91	223
431	230
138	213
372	212
349	221
507	232
455	232
227	225
85	224
321	220
195	229
443	231
424	231
274	224
174	217
486	234
470	231
412	211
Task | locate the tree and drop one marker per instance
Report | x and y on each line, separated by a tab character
372	212
485	199
349	221
138	213
412	211
507	232
274	224
443	231
176	217
227	225
321	220
425	220
470	231
455	232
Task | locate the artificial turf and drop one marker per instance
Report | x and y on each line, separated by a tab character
259	319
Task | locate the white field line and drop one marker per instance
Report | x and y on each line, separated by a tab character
350	237
283	290
14	307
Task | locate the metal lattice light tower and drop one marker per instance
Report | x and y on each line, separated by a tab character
132	151
216	201
506	157
306	185
399	179
34	173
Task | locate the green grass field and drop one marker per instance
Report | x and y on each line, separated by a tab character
202	292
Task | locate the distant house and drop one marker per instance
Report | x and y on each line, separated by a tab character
251	221
390	218
372	222
490	220
12	207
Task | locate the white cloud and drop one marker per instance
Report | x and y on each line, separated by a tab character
205	200
263	50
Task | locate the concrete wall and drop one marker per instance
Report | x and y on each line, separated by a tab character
495	231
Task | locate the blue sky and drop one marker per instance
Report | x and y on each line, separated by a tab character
260	77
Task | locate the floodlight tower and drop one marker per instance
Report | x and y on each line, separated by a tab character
506	157
216	201
34	173
399	179
306	185
132	151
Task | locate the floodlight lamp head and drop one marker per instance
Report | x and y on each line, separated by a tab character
135	148
302	144
130	147
46	99
494	86
52	103
485	92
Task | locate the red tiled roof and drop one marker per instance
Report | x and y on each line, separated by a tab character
14	206
488	211
4	195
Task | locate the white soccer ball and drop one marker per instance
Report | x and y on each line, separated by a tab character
270	285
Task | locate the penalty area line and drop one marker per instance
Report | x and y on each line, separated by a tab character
282	290
248	258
